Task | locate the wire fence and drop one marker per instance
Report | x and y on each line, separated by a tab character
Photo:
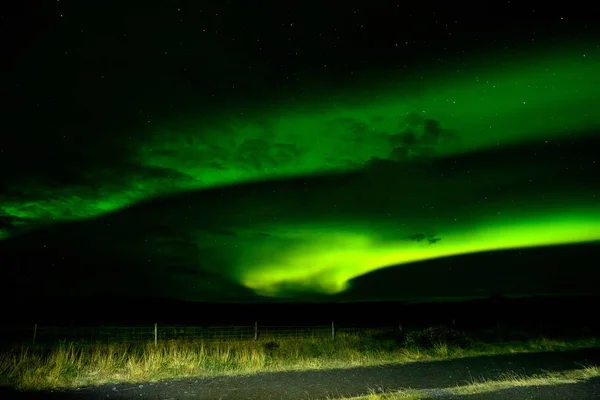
156	333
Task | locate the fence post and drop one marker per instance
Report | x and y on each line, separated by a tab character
255	330
155	334
332	330
34	332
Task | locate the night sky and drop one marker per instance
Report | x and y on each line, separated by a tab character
284	151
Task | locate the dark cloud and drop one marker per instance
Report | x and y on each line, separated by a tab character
260	155
419	237
418	139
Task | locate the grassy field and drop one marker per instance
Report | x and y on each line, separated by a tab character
77	365
507	382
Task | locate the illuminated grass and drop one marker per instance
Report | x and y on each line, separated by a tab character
515	380
69	365
405	394
510	380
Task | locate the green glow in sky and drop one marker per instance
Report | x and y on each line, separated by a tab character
545	97
490	105
326	260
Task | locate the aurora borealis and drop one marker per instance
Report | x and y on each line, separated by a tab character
306	192
500	106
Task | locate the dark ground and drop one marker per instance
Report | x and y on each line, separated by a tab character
432	377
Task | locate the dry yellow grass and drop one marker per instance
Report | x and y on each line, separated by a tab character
70	365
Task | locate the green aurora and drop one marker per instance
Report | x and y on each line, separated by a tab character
327	260
490	106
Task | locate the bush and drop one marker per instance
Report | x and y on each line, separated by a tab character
433	336
270	347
